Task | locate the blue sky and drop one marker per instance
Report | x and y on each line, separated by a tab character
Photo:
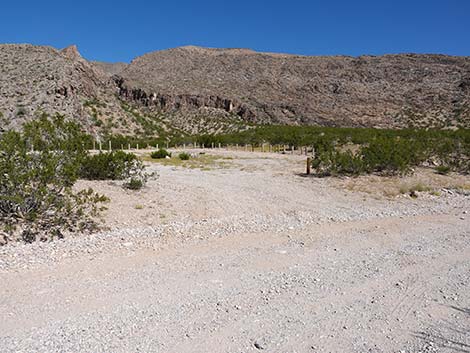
121	30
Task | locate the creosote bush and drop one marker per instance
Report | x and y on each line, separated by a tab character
161	153
134	184
337	163
38	167
443	169
115	165
184	156
390	156
379	151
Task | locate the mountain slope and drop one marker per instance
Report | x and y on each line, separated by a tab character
37	79
387	91
110	68
201	90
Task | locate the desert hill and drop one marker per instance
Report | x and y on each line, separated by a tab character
202	90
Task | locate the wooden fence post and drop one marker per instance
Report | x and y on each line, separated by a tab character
309	163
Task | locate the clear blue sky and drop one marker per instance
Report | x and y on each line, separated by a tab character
121	30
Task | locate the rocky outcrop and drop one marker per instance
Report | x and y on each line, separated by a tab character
71	52
178	102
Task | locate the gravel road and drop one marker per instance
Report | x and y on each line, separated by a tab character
246	258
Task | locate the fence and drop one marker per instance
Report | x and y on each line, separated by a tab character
263	148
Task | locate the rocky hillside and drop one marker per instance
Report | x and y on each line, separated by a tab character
385	91
36	80
110	68
200	90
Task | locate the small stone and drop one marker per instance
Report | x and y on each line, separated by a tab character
258	345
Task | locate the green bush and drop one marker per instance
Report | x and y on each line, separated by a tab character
337	163
184	156
382	156
134	184
161	153
381	151
389	156
115	165
443	170
39	167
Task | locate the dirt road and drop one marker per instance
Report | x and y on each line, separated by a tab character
247	258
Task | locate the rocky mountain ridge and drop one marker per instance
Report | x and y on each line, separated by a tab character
201	90
383	91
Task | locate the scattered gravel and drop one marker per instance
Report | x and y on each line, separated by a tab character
246	260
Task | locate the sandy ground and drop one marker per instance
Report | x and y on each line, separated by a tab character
244	254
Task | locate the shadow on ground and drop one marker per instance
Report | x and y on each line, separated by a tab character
449	336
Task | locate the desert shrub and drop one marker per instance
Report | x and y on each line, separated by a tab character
413	189
337	163
384	151
389	156
134	184
114	165
36	197
442	169
382	156
21	111
184	156
454	154
161	153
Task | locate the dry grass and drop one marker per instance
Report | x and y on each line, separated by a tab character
202	161
423	180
